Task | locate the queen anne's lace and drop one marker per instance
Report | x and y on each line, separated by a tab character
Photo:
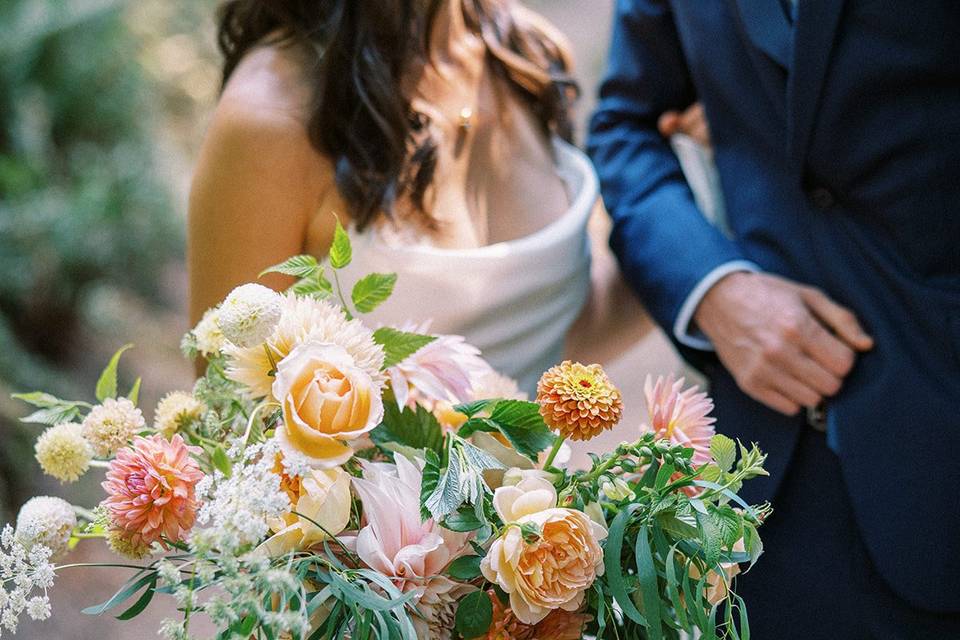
22	572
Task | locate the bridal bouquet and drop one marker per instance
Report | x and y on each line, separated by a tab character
327	480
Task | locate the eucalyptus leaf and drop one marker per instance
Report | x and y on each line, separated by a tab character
649	589
613	564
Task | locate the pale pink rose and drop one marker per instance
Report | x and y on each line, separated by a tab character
682	417
327	402
151	489
552	572
394	541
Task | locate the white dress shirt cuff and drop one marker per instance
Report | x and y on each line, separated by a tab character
681	328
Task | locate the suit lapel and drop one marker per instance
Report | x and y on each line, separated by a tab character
767	28
815	29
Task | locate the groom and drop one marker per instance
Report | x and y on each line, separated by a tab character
828	319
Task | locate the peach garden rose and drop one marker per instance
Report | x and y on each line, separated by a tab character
327	402
553	571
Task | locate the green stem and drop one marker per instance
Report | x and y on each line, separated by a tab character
343	300
85	513
557	443
88	536
100	464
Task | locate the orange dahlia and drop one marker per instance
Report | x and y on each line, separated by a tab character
505	625
578	401
151	491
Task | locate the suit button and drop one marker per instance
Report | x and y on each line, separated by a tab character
822	198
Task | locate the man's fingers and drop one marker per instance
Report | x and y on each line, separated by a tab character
814	374
797	391
777	401
838	318
831	353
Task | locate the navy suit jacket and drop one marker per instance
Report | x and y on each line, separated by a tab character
837	140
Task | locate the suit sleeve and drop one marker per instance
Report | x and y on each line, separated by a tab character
665	246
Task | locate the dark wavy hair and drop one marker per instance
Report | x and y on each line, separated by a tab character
362	50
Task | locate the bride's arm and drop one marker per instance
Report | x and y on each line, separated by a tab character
613	320
256	186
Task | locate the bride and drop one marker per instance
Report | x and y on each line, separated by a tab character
439	132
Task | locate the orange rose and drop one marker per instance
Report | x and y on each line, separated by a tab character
326	401
552	572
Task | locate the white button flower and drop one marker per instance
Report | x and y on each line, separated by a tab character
249	314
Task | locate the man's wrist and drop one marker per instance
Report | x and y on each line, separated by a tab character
686	329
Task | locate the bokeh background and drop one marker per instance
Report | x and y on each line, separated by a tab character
103	104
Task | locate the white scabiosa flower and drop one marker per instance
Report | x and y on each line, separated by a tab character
175	410
303	320
249	314
46	521
207	334
63	452
111	425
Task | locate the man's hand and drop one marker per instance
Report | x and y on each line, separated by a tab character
692	122
787	345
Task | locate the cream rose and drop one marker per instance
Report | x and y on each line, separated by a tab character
322	497
552	572
326	400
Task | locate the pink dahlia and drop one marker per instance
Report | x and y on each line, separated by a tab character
444	370
680	416
151	489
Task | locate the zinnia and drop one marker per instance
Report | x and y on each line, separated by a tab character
151	489
682	417
327	399
553	571
578	401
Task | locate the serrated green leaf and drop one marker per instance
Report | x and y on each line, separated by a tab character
478	458
470	409
53	415
301	266
462	521
315	285
521	423
465	568
416	428
399	345
107	383
474	615
649	590
134	394
372	290
430	478
341	253
729	524
39	399
711	538
448	496
724	451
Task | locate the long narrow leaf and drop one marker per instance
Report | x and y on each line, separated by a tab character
649	590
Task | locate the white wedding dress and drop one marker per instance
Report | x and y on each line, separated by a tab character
515	300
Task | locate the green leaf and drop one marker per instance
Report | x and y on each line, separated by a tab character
141	603
221	462
478	458
613	564
752	542
315	285
465	568
302	266
39	399
521	423
470	409
399	345
372	290
729	523
724	451
474	615
448	496
649	589
430	479
711	538
129	588
107	384
341	253
53	415
134	393
417	428
463	520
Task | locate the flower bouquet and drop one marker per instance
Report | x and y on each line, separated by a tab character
327	480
